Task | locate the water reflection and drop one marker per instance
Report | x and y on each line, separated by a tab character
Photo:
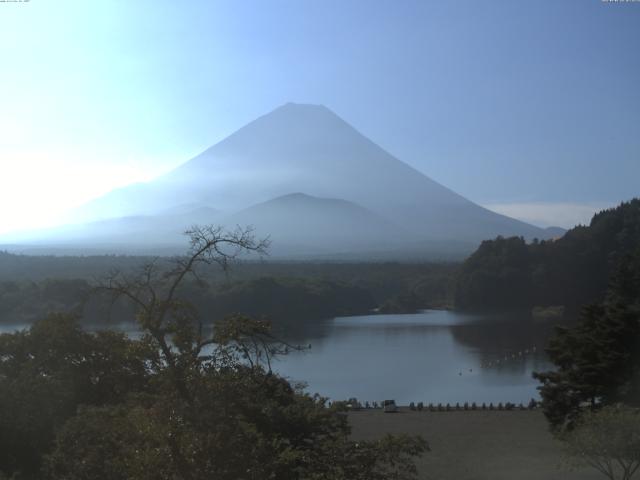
435	356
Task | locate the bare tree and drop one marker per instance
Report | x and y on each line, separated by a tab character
173	323
607	440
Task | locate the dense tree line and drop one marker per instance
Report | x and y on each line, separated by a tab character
284	293
24	301
290	299
573	270
380	278
281	300
36	268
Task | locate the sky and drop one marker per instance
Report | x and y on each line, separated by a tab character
529	108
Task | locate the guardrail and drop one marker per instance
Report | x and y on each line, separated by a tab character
353	404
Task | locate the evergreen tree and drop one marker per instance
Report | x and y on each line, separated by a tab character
598	360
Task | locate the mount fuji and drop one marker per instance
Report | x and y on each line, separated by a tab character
308	179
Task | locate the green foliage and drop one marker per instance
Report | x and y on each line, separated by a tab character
121	441
402	303
598	360
244	428
26	301
607	440
178	403
496	275
306	293
290	299
235	420
32	286
572	271
51	369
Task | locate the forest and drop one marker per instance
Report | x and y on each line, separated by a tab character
31	286
571	271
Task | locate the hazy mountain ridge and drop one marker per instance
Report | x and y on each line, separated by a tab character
298	223
307	148
353	195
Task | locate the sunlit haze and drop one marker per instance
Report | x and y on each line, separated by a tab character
39	188
511	105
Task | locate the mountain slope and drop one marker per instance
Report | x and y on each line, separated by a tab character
165	229
307	148
379	202
301	224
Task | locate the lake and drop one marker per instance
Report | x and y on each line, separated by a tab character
433	356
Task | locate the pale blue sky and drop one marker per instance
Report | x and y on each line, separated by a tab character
529	106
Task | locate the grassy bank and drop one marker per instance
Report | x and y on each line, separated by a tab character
476	445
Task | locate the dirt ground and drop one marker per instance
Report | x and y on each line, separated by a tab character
476	445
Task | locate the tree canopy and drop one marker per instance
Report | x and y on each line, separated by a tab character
573	270
597	360
186	400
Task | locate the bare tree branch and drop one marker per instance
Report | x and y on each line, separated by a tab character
152	291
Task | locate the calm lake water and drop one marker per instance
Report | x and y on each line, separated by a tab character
433	356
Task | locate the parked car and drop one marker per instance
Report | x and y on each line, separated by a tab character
389	406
